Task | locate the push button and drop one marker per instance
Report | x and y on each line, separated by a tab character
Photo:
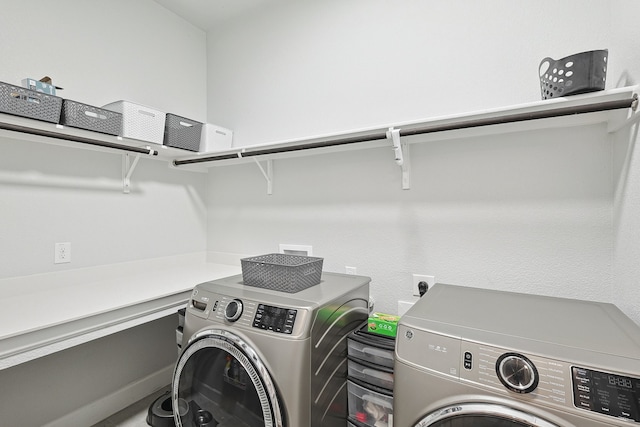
468	358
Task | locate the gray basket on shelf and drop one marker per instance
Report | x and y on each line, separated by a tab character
19	101
579	73
83	116
282	272
180	132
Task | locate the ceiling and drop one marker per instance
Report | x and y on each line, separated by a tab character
206	14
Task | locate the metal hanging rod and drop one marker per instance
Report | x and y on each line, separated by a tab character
463	124
522	117
74	138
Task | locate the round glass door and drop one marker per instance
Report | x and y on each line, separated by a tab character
481	415
220	381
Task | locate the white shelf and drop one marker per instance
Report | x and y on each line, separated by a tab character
60	135
372	137
438	128
45	313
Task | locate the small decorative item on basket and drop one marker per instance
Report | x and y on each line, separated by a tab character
580	73
282	272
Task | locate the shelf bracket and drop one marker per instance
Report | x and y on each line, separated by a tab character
401	153
268	174
127	170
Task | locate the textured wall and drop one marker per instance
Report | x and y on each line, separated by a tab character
527	212
98	52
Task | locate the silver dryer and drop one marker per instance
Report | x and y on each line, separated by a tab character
476	357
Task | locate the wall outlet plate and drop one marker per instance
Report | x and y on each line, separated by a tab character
417	278
62	253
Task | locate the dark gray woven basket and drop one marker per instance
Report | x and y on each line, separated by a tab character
282	272
19	101
83	116
180	132
580	73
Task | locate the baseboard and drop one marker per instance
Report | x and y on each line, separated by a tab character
108	405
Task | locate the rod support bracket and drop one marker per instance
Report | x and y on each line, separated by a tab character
268	174
401	154
127	170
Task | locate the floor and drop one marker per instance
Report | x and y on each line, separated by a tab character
134	415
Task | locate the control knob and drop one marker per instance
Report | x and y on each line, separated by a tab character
517	373
233	311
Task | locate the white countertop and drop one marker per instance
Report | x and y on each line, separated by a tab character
44	313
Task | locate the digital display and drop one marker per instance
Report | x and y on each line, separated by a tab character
275	319
620	381
606	393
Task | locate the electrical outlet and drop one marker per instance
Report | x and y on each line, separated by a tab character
62	253
417	278
350	270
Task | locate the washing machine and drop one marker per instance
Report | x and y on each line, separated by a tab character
258	357
476	357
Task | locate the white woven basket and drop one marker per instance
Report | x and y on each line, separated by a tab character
140	122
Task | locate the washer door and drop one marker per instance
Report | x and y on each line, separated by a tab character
481	415
220	381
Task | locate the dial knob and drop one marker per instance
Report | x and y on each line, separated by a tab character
233	311
517	373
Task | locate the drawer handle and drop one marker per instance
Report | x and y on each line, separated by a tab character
185	124
376	352
374	373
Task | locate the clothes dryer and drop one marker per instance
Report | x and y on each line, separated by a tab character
258	357
476	357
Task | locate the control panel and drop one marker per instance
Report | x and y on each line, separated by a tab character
550	381
544	380
606	393
243	312
275	319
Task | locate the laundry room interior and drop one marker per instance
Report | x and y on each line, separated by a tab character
547	207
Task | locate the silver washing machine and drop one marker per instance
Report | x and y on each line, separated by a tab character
476	357
258	357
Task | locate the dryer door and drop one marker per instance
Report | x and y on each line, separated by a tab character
481	415
220	381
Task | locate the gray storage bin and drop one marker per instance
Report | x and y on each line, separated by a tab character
19	101
282	272
83	116
180	132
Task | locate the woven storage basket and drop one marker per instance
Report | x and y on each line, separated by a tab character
139	122
83	116
580	73
180	132
19	101
282	272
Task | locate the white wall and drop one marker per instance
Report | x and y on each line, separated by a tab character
526	212
626	269
99	52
